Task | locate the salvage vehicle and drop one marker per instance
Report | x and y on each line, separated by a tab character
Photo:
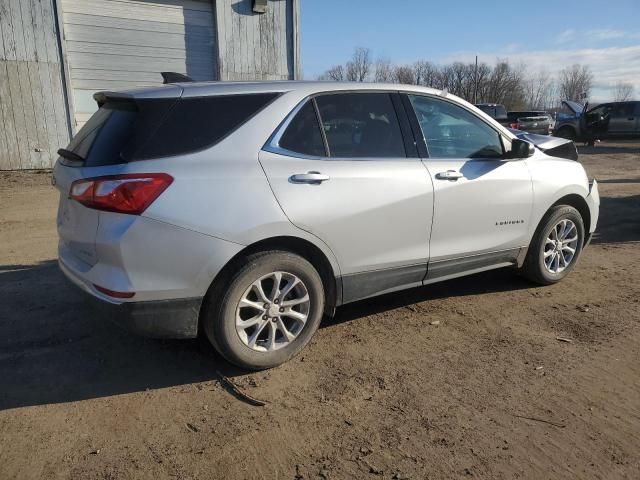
538	122
606	120
246	211
496	111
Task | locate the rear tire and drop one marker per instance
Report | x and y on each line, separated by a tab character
256	325
556	246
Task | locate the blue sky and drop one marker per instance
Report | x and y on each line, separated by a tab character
603	34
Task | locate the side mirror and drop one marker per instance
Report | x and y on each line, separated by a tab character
521	149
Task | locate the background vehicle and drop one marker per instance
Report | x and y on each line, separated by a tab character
606	120
496	111
302	196
538	122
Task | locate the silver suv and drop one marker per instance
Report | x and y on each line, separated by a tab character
245	211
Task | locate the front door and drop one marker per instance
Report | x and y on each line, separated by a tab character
352	185
482	203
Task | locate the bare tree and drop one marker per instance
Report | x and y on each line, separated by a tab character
622	92
359	67
335	73
384	71
504	85
539	91
481	82
425	73
576	82
404	74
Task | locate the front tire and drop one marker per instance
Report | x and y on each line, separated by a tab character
566	132
556	246
267	312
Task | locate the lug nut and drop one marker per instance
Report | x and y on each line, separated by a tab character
276	301
281	309
265	318
266	306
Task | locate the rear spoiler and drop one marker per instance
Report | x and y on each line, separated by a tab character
173	77
166	91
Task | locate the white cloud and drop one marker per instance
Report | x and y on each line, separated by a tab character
566	36
609	65
610	34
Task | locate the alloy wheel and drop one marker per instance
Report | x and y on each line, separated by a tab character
560	246
272	311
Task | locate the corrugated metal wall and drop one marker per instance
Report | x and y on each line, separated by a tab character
256	46
33	116
123	44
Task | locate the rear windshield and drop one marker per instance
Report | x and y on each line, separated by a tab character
495	111
516	115
124	131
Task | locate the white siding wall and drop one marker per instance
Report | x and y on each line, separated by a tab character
123	44
33	114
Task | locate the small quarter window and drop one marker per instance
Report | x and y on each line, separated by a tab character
303	135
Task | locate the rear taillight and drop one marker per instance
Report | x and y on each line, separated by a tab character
130	193
515	126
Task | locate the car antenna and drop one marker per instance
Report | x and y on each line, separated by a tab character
173	77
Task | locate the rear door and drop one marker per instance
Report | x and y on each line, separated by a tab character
482	203
623	119
355	184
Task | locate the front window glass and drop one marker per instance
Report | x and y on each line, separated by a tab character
451	131
361	125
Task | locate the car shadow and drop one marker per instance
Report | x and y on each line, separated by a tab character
56	347
501	280
608	149
619	220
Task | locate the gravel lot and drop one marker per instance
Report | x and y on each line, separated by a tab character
381	392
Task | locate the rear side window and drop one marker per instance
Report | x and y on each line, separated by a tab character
128	130
622	110
101	140
361	125
197	123
303	135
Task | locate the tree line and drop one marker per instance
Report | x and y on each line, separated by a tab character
510	85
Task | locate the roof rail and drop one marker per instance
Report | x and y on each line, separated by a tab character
173	77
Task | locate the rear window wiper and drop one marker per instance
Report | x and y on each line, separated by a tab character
69	155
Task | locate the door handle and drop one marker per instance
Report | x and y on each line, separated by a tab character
631	118
449	175
313	178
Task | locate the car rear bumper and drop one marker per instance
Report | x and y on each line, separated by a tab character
174	318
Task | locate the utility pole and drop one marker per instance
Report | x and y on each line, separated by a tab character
475	83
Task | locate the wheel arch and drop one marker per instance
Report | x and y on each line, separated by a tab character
568	127
579	203
312	253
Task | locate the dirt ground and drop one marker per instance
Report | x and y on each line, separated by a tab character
381	392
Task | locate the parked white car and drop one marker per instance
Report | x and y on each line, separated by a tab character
247	210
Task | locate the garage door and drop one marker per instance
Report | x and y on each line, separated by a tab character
122	44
